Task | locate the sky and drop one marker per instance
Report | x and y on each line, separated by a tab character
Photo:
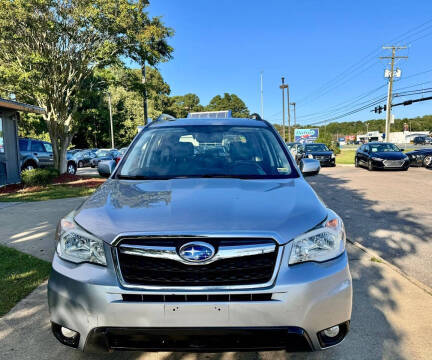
328	52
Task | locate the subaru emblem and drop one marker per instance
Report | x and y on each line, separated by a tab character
196	252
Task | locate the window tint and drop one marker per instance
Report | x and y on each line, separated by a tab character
48	147
36	146
205	151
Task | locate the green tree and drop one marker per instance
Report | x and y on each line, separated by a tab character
180	106
229	102
124	86
49	48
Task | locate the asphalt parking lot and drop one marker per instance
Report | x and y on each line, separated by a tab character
389	212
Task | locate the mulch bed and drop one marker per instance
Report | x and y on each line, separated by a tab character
64	179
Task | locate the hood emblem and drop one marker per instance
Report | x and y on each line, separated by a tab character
196	252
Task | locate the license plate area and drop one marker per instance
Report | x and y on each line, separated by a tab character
197	314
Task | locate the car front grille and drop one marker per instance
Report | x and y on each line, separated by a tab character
167	272
393	163
153	298
323	158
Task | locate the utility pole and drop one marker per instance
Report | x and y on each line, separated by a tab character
283	87
390	84
295	118
143	81
111	122
289	115
262	96
367	128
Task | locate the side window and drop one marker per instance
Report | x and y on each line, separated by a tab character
23	144
48	147
36	146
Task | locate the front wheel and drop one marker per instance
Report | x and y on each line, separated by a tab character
28	166
370	166
71	169
356	163
427	161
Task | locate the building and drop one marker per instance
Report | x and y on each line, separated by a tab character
9	150
370	136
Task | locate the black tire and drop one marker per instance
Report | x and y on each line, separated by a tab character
71	168
356	163
370	166
80	164
427	161
405	168
29	165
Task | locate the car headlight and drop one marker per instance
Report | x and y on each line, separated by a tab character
377	159
77	245
333	156
322	244
310	156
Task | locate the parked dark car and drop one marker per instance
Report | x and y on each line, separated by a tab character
103	154
420	157
83	158
120	154
35	153
422	140
71	153
378	155
320	152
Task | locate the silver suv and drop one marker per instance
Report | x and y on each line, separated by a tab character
205	237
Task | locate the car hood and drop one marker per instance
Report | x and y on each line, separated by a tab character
320	153
284	207
389	155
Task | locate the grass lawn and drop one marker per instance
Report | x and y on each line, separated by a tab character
48	193
20	274
345	157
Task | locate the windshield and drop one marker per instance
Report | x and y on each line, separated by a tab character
316	147
383	148
101	153
207	151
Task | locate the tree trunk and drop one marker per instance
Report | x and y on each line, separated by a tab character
60	140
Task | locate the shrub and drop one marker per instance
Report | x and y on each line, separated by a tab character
37	177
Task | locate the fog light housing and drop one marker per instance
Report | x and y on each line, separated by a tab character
331	332
65	335
333	335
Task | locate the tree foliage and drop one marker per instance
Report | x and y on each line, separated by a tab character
49	49
229	102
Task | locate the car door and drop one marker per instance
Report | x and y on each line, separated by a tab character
361	154
38	151
49	156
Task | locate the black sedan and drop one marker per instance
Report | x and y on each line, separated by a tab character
83	158
420	157
320	152
376	155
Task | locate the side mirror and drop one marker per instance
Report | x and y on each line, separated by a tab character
402	150
309	167
105	168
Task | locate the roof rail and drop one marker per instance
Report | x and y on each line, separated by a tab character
255	116
165	117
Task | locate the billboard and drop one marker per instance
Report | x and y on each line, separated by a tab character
306	135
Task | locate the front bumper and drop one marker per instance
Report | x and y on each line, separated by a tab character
382	165
306	299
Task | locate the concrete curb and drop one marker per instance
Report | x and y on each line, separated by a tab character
412	280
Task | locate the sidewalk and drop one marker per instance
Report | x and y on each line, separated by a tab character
391	316
30	226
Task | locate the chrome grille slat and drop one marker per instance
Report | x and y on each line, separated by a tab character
255	265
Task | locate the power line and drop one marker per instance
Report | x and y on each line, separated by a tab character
334	82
